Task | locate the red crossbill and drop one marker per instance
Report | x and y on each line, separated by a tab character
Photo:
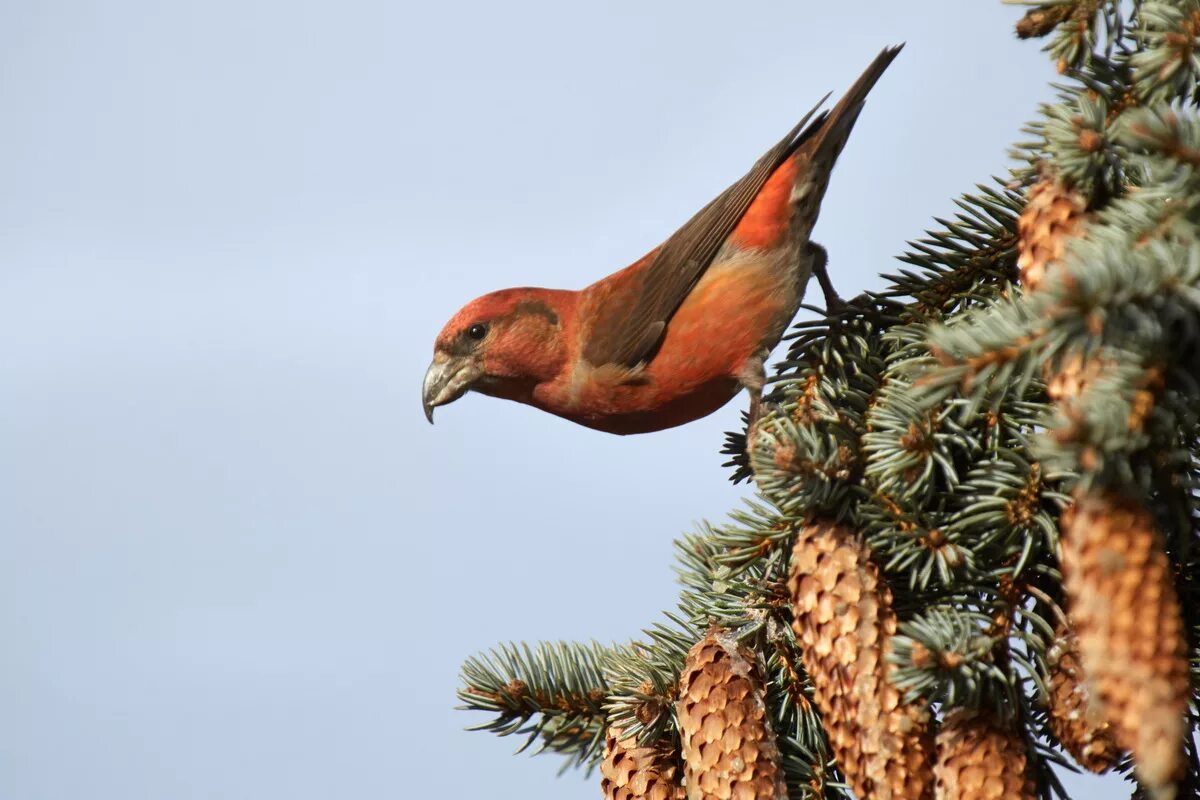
674	336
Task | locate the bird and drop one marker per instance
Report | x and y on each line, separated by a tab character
677	334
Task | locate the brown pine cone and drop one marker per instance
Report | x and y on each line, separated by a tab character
1042	20
843	618
1075	718
632	772
729	750
1052	215
1121	598
981	758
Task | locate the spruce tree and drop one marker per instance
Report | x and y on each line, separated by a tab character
972	554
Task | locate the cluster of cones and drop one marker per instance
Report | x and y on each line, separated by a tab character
886	748
1117	677
1129	697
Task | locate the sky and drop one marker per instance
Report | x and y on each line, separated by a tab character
237	562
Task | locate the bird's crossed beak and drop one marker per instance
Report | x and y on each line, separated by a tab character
447	379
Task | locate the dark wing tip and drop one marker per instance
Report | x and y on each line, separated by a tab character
631	324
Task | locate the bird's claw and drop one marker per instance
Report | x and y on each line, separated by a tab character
820	256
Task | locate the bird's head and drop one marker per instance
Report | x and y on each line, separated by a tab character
502	344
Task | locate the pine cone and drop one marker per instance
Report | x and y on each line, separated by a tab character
1121	594
1052	215
729	750
1075	718
1042	20
843	618
979	758
631	772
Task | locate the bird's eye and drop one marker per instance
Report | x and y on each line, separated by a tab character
477	331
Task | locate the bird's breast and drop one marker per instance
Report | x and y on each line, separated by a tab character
739	308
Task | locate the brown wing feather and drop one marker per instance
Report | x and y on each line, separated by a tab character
630	321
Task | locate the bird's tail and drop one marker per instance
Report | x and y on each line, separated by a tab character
818	146
835	129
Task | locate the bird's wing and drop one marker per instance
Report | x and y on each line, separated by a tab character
631	314
630	317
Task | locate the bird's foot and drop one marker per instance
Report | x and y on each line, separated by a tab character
754	377
820	258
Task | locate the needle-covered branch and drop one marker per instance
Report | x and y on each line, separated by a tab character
973	556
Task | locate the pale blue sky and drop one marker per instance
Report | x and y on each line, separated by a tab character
236	562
